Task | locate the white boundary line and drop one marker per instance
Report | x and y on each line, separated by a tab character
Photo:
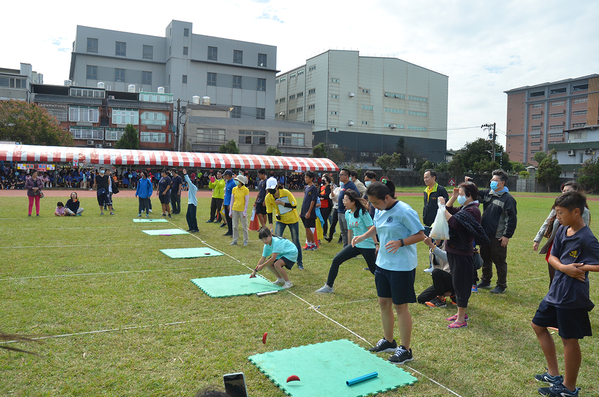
97	274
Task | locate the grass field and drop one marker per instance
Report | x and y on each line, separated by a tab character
124	319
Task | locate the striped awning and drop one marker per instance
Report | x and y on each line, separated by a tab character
58	154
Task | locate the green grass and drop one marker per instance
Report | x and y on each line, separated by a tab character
164	337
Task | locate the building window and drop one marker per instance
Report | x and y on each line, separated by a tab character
84	114
291	139
91	72
581	100
120	49
578	125
535	144
262	60
61	114
184	79
334	112
291	111
156	137
300	109
86	93
367	107
333	80
119	75
558	103
291	96
260	113
365	122
394	95
334	129
300	72
579	112
299	95
185	51
92	45
412	113
311	106
86	133
261	85
411	127
292	75
238	57
556	127
283	78
365	91
556	115
170	50
146	78
556	91
537	94
236	81
391	110
560	135
155	97
211	135
334	96
211	79
417	98
125	116
185	32
536	128
236	112
114	134
153	118
311	68
580	87
282	100
212	53
311	121
537	105
252	137
312	91
537	116
148	52
276	101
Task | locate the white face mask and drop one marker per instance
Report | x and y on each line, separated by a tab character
367	183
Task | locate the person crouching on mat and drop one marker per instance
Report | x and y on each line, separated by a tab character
283	254
358	222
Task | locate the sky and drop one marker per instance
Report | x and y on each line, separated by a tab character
485	47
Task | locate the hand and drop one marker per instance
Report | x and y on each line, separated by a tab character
230	214
253	274
136	196
392	246
245	214
429	241
535	246
308	214
441	200
279	202
573	271
355	241
504	241
456	192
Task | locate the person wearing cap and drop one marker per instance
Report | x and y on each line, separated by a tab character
238	210
229	185
283	204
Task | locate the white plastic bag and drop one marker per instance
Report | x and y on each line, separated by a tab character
440	228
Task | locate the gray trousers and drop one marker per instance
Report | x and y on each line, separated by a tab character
343	228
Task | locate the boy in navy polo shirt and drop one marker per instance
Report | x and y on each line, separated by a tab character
575	252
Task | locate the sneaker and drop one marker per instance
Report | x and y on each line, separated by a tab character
558	390
209	221
279	281
429	269
474	288
169	215
300	266
288	284
455	317
384	346
139	215
325	290
484	284
329	239
233	243
438	301
245	243
111	213
150	211
455	324
228	234
497	290
101	213
223	225
552	380
454	300
401	355
147	215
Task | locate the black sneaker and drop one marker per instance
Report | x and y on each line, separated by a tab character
438	301
384	346
484	284
558	390
497	290
401	355
552	380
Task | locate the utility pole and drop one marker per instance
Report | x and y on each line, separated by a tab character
177	144
492	136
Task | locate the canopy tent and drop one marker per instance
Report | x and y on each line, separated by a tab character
58	154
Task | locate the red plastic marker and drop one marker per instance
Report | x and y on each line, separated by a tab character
206	253
252	276
264	341
292	378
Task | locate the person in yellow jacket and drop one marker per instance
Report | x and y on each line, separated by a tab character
283	204
238	210
218	194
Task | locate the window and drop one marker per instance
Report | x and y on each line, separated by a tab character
536	128
291	138
276	101
260	113
556	115
125	116
581	100
283	78
212	53
185	32
311	106
537	116
394	95
366	107
415	128
556	91
252	137
580	87
120	49
334	96
560	135
61	114
84	114
236	112
391	110
211	79
292	75
236	81
148	52
365	91
261	85
238	57
300	109
299	95
578	125
556	127
311	68
153	118
365	122
311	121
155	97
157	137
537	105
185	51
412	113
334	129
579	112
114	134
211	135
184	79
417	98
392	125
92	72
535	144
291	96
312	91
262	60
300	72
87	93
92	45
291	111
86	133
119	75
334	112
12	82
282	100
558	103
334	80
146	78
537	94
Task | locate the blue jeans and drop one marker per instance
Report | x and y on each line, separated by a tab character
294	229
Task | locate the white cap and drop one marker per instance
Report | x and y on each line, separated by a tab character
271	183
241	179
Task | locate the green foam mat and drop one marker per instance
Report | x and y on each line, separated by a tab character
164	232
146	220
323	369
220	287
199	252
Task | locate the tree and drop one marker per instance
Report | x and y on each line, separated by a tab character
524	174
389	162
319	151
426	166
549	170
517	166
539	157
442	167
129	139
229	147
589	175
336	155
30	124
456	166
273	151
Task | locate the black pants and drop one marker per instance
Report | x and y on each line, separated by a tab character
442	284
346	254
333	223
229	220
176	203
215	205
462	273
143	205
192	221
494	253
325	212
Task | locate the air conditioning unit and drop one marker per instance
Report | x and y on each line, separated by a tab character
352	94
108	144
281	113
350	122
98	145
588	152
571	153
89	142
393	126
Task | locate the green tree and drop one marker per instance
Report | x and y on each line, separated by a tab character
549	170
588	175
389	162
524	174
229	147
273	151
539	157
336	155
477	156
517	167
30	124
129	139
456	166
319	151
442	167
426	166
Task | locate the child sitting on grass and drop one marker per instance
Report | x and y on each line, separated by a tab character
283	254
575	252
59	209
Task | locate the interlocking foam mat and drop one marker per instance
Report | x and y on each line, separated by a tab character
199	252
164	232
323	369
220	287
146	220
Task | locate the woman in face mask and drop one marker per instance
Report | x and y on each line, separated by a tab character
464	228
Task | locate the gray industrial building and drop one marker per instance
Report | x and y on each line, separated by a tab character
16	83
364	105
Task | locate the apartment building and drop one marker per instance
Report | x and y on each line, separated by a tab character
16	83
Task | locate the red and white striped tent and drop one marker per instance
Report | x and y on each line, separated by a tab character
59	154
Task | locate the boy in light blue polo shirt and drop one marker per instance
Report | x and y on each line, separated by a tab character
283	254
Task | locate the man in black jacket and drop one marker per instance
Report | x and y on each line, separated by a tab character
499	221
432	192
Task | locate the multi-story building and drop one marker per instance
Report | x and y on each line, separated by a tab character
582	145
16	83
540	115
97	117
231	72
364	105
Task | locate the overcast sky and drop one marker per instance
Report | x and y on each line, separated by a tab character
485	47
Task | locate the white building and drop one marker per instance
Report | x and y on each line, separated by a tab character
582	145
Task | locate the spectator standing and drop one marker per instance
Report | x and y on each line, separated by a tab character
218	194
432	192
34	185
326	204
334	196
347	184
176	192
192	205
73	207
353	175
229	185
164	193
143	193
238	210
308	213
259	203
101	185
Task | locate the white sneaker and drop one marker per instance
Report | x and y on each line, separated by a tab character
279	281
325	290
150	211
288	284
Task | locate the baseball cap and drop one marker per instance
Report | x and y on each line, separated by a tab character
271	183
228	173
